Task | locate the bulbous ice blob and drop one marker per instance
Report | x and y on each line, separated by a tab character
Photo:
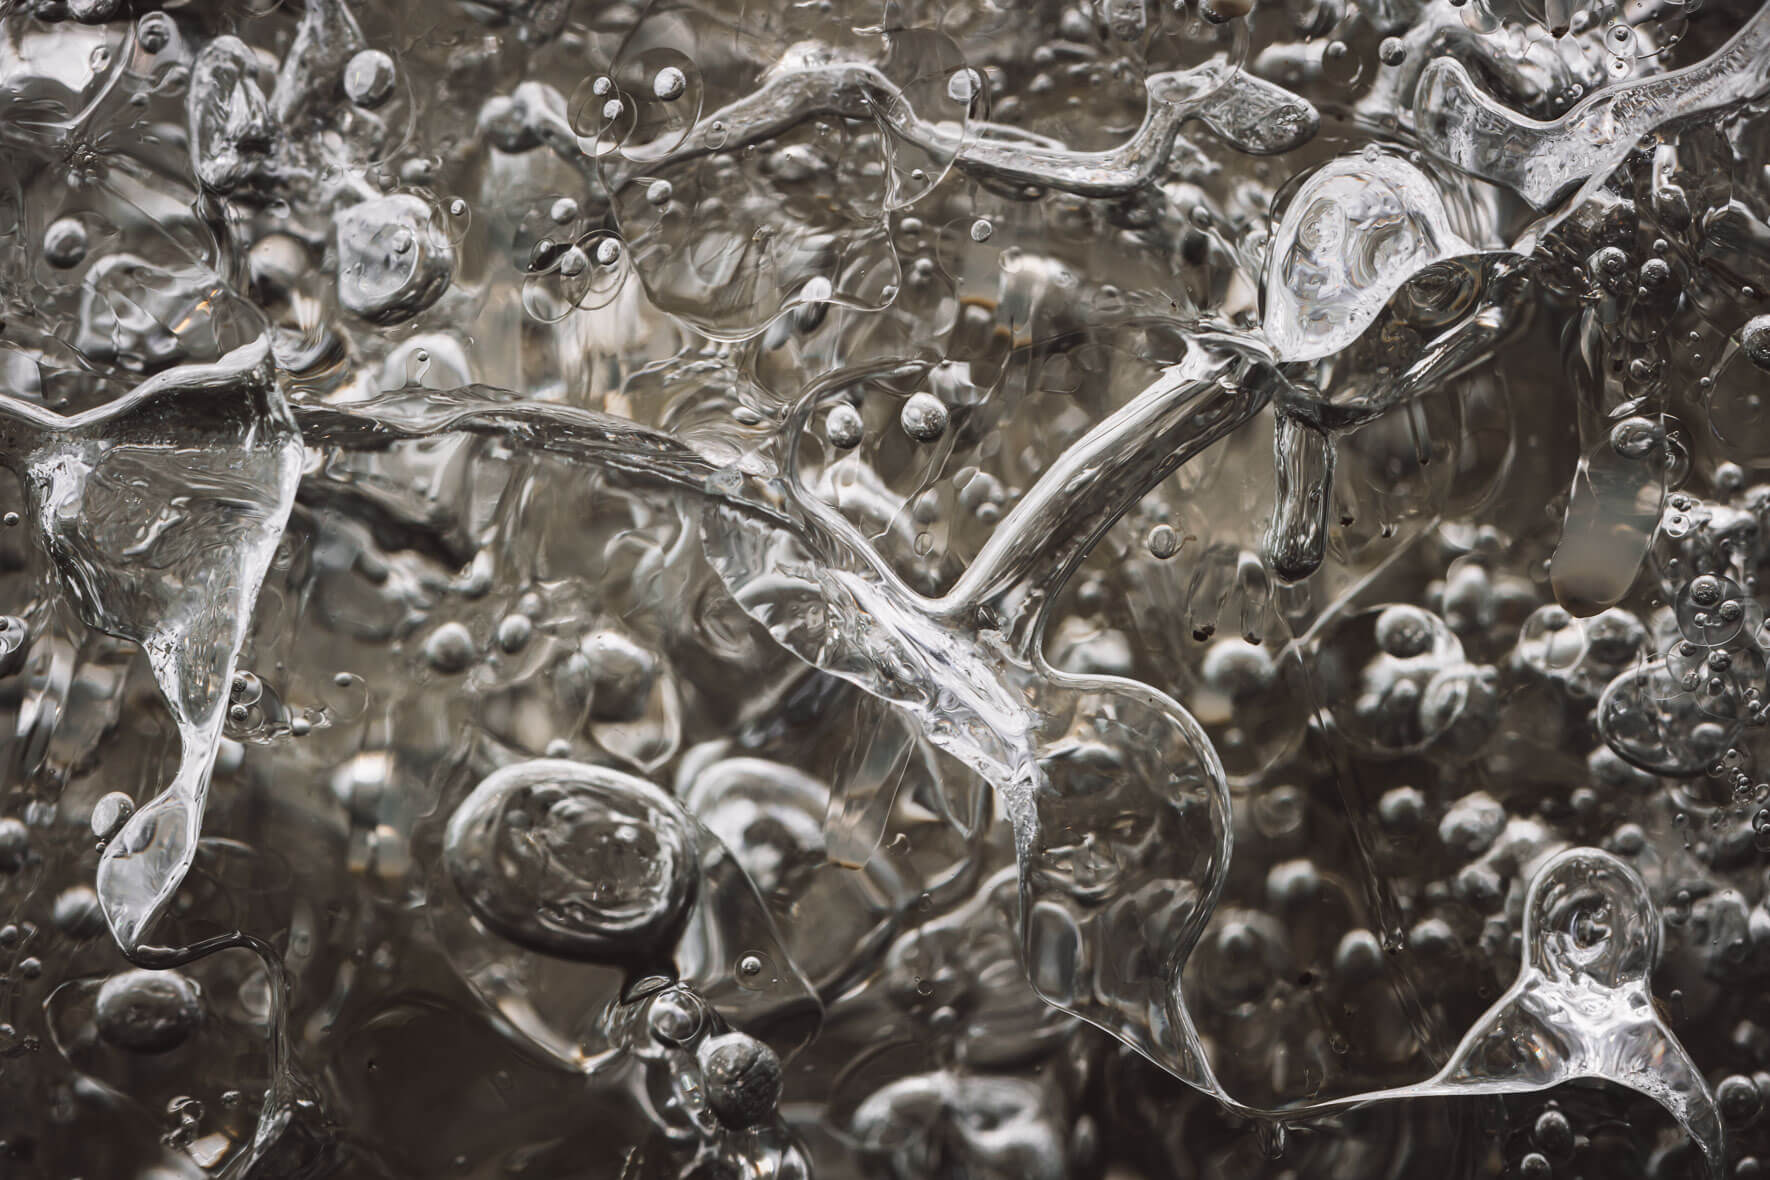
394	258
148	1011
575	860
231	128
160	513
1352	236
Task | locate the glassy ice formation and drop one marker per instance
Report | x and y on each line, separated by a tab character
1125	588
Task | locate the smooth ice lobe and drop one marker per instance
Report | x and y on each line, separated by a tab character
1358	230
160	513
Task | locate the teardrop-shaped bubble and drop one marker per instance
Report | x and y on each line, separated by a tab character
574	860
1612	511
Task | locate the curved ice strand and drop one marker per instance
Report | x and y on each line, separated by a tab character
1222	381
160	513
1580	1007
1119	806
1118	803
1251	114
1541	160
1441	30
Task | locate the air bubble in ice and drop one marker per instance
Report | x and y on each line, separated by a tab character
148	1011
394	260
368	78
924	417
575	860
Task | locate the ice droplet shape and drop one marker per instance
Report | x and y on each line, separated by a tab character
160	513
1358	230
1580	1007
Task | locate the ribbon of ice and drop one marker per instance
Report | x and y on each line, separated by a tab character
1247	112
1580	1007
1541	160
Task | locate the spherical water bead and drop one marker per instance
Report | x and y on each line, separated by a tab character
621	676
1472	824
148	1011
573	860
669	84
514	632
77	913
564	211
924	417
1754	341
743	1079
675	1017
1711	609
1392	51
110	813
1551	641
1406	631
573	262
1535	1166
1162	542
844	427
15	845
1401	809
1553	1134
1238	669
1359	956
981	230
65	243
608	251
450	649
1738	1100
368	78
659	192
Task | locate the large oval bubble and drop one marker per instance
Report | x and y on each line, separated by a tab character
574	860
